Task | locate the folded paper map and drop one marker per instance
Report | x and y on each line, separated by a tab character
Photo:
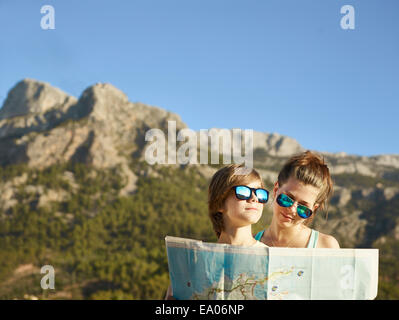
213	271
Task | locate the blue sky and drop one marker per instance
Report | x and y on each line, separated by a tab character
272	66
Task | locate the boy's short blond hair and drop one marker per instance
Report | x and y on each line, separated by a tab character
221	186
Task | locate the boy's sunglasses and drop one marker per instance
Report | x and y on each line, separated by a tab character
285	201
245	193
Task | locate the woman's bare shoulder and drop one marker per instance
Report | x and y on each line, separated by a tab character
327	241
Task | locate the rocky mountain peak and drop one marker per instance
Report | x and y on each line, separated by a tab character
103	101
276	144
33	97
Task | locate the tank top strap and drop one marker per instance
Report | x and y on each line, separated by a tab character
314	236
259	235
312	243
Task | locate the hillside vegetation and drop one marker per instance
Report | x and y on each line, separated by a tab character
106	246
101	245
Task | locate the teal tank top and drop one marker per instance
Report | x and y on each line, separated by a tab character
314	236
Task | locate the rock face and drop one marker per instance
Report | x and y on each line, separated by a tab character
41	126
33	106
276	145
33	97
391	160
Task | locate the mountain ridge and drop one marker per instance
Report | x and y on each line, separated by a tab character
36	107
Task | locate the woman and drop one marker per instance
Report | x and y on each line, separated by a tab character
304	185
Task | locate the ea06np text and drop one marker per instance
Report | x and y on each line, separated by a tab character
221	309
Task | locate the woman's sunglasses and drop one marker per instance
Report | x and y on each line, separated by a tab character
245	193
285	201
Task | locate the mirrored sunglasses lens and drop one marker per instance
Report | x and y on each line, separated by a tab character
262	195
304	212
243	193
284	201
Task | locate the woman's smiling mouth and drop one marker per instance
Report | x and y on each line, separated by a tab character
287	217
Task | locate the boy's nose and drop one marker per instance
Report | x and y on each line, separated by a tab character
253	197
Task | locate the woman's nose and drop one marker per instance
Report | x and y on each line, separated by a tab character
294	207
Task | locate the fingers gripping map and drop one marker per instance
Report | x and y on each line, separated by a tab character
212	271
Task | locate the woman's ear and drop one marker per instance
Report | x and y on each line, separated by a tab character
275	188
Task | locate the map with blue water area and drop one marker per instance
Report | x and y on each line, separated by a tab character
212	271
